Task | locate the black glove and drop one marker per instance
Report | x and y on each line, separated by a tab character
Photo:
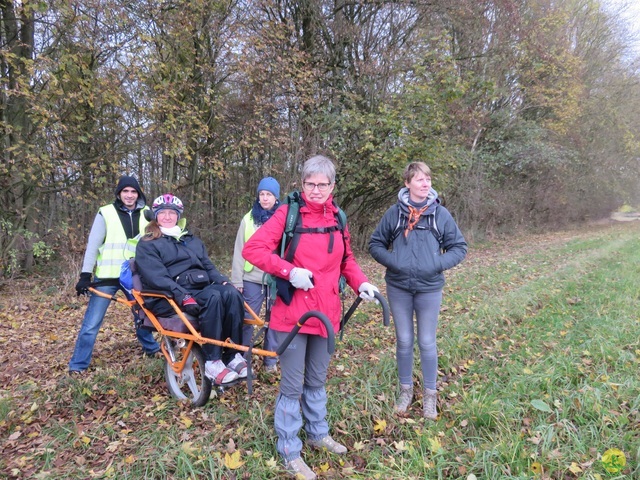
82	287
190	306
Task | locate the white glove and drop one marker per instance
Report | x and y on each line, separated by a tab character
301	278
367	292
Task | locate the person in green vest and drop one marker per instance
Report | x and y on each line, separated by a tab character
246	277
110	243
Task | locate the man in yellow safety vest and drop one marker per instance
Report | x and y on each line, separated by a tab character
109	244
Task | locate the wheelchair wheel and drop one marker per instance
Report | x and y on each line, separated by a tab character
191	384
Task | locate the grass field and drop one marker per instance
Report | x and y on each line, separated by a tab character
539	359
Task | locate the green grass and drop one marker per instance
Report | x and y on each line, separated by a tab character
539	356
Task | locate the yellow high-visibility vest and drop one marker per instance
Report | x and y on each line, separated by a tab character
249	229
116	247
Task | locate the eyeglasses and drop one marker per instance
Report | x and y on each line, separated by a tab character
322	187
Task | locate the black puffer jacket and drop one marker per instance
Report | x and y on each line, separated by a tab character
416	262
161	260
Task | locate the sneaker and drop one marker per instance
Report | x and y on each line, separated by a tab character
298	469
271	368
239	365
157	354
404	399
219	373
429	401
328	444
77	373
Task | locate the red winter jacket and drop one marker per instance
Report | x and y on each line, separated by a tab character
312	254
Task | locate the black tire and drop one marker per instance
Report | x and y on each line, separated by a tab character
192	384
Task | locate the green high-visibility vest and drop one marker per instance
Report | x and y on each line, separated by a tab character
116	247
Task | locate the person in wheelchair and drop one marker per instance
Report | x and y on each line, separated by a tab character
172	260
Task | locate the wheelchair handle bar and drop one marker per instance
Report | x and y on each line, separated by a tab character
385	308
331	338
358	300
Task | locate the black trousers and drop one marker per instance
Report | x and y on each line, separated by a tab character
221	317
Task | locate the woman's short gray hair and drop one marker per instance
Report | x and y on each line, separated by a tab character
319	164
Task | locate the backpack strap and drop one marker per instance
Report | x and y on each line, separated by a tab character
432	225
293	227
293	210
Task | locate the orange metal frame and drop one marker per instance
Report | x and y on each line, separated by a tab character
193	336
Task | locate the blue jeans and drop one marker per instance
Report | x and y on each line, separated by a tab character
93	318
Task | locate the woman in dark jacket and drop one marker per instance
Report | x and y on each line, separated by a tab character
417	240
164	256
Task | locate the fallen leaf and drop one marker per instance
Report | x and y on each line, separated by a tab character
536	468
380	426
187	422
231	446
187	447
233	461
613	460
401	446
575	468
541	405
434	444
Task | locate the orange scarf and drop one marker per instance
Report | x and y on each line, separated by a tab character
414	218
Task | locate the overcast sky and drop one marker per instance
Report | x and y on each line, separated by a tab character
632	16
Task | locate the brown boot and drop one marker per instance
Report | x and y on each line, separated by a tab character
429	401
404	399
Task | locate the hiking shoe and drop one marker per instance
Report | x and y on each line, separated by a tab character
271	368
299	469
239	365
429	401
404	399
328	444
219	373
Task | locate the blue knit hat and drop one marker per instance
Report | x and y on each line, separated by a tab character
269	184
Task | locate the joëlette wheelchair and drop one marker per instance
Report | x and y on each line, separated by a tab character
181	341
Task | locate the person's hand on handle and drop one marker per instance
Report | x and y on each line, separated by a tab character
367	292
82	287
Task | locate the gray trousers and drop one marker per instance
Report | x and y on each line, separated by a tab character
254	295
426	306
304	367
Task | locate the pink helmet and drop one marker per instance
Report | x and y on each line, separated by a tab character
167	201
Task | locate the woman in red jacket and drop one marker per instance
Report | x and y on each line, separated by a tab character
321	256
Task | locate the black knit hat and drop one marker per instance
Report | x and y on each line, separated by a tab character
127	181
